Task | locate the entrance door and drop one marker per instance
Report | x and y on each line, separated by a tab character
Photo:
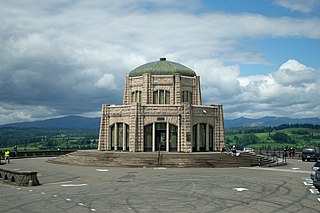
161	140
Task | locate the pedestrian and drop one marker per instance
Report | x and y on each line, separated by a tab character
15	149
223	149
293	152
7	156
285	154
234	150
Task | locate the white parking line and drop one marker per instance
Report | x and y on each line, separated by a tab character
80	204
102	170
312	191
82	184
58	182
276	170
308	183
240	189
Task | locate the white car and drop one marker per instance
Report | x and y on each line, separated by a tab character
248	149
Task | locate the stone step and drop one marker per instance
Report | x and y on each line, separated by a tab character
208	159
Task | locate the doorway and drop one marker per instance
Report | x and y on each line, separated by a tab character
160	140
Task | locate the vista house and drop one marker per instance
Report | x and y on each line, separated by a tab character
162	109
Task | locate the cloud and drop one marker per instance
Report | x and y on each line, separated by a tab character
304	6
106	82
287	92
69	57
293	73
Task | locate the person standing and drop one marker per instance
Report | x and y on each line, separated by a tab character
15	149
7	156
234	150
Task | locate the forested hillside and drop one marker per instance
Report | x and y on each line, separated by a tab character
298	135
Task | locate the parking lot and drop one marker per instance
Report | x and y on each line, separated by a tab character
67	188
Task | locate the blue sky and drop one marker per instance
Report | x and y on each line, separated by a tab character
256	57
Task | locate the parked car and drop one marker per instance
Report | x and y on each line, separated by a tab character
316	181
248	149
310	153
315	167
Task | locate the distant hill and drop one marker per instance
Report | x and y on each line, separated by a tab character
269	121
68	122
79	122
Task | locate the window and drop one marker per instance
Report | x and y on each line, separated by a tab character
161	97
136	96
187	97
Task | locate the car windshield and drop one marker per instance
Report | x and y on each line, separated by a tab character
308	151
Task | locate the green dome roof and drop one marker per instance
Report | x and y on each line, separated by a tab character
162	67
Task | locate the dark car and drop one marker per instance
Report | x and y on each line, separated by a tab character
315	167
316	181
310	153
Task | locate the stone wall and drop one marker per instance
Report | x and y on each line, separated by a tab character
19	178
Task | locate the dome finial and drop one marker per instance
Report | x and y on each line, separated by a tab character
163	59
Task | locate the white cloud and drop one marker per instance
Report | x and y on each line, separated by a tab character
106	82
293	73
304	6
287	92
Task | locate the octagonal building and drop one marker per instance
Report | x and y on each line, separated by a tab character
162	109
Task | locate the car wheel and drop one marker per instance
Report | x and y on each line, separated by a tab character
303	159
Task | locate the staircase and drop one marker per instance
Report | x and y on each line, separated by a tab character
150	159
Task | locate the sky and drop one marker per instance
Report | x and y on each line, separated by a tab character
68	57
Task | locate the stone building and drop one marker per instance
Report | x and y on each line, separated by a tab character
162	109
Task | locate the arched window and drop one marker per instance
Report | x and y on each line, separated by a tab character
161	97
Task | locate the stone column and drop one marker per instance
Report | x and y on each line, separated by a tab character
207	137
198	137
154	137
124	137
167	137
179	132
116	136
103	136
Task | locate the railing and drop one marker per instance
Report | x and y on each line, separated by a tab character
40	153
278	155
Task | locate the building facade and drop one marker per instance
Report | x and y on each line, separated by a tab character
162	110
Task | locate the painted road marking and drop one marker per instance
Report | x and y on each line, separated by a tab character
82	184
68	199
93	210
277	170
159	168
102	170
295	168
308	183
55	195
312	191
58	182
80	204
240	189
43	193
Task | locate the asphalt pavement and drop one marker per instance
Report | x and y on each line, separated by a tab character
68	188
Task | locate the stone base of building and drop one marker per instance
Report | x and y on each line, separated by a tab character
165	159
